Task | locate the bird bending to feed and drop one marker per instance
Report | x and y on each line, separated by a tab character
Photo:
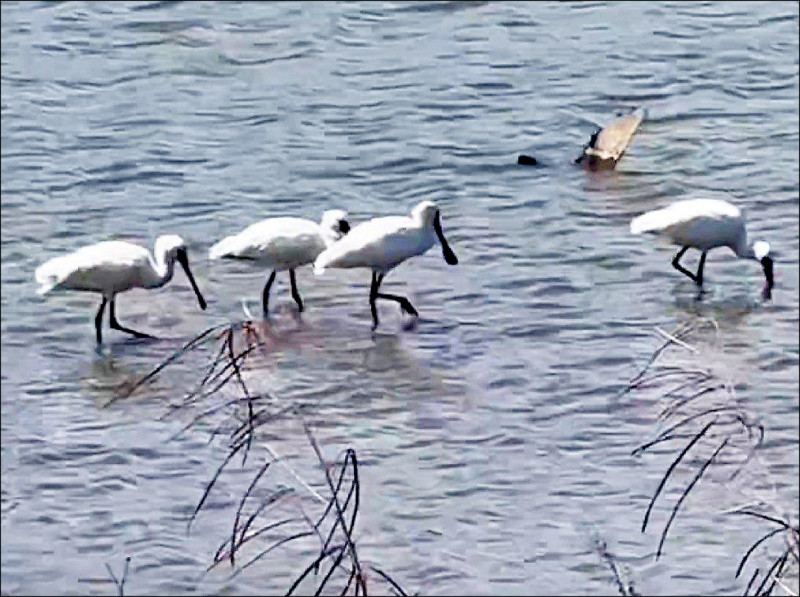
607	145
705	224
115	266
283	243
382	244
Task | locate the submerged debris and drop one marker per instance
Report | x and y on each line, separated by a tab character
607	145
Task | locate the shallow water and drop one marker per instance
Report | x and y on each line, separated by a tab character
493	446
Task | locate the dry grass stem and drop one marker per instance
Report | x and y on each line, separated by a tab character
701	400
257	513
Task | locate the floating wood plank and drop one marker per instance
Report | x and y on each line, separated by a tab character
607	146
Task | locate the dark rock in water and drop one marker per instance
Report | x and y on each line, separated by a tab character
526	160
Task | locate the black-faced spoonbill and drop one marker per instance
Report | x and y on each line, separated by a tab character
705	224
115	266
607	146
382	244
283	243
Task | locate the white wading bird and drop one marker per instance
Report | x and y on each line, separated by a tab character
283	243
705	224
384	243
116	266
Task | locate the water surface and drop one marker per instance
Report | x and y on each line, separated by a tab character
493	446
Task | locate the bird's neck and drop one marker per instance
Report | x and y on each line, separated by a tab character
329	236
422	221
163	269
747	253
743	249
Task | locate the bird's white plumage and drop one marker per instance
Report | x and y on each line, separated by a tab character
705	224
281	243
760	249
382	243
115	266
699	223
110	267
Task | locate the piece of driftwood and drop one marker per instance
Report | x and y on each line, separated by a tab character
607	146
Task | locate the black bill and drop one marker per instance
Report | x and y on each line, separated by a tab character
184	261
447	252
766	263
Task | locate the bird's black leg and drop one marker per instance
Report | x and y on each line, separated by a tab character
295	293
405	304
265	296
98	321
373	294
115	325
676	264
699	275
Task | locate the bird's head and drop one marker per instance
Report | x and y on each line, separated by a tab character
427	214
334	224
424	212
171	248
761	253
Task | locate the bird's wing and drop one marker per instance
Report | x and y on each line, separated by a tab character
259	240
90	267
375	243
684	214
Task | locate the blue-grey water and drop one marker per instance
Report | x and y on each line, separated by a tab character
493	447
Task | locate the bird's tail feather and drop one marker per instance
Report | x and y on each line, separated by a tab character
44	289
47	276
647	222
223	248
320	263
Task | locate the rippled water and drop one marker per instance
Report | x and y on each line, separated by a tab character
493	447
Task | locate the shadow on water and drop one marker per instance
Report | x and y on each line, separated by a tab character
353	362
111	373
717	303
